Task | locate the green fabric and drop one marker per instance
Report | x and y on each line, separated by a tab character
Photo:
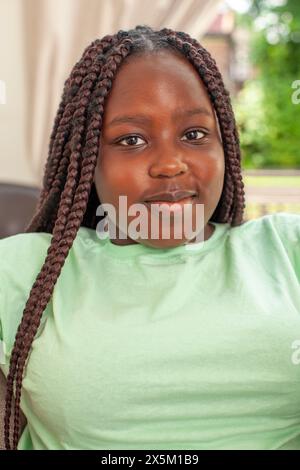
146	348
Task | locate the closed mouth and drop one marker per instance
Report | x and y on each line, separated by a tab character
178	201
173	206
171	196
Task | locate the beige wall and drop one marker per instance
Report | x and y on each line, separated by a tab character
14	164
221	50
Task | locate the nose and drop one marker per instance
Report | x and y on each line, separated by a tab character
167	164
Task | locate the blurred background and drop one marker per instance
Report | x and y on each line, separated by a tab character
256	44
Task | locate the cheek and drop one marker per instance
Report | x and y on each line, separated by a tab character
105	181
114	178
210	170
216	173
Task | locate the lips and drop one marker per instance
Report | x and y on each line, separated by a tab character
171	196
171	207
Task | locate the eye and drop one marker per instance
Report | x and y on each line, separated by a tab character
131	140
193	134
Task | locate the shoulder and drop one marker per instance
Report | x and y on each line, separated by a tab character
31	248
23	253
284	225
273	235
287	226
24	245
22	257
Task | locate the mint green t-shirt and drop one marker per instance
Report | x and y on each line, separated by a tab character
147	348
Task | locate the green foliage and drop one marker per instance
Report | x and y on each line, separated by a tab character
268	119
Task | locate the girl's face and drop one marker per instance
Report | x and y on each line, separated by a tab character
159	134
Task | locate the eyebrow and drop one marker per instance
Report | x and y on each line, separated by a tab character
143	118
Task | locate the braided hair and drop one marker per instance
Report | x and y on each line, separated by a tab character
68	198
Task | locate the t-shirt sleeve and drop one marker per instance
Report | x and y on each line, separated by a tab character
287	226
21	259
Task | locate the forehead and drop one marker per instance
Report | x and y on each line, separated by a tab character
156	80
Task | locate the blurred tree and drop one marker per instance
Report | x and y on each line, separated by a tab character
268	117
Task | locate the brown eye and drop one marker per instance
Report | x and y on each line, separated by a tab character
195	134
130	140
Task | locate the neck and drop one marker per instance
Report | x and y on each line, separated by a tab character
208	231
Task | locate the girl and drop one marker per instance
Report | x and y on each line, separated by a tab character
150	342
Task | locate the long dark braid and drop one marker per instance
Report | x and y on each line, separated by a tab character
68	198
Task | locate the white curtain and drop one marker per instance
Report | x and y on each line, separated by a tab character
54	34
